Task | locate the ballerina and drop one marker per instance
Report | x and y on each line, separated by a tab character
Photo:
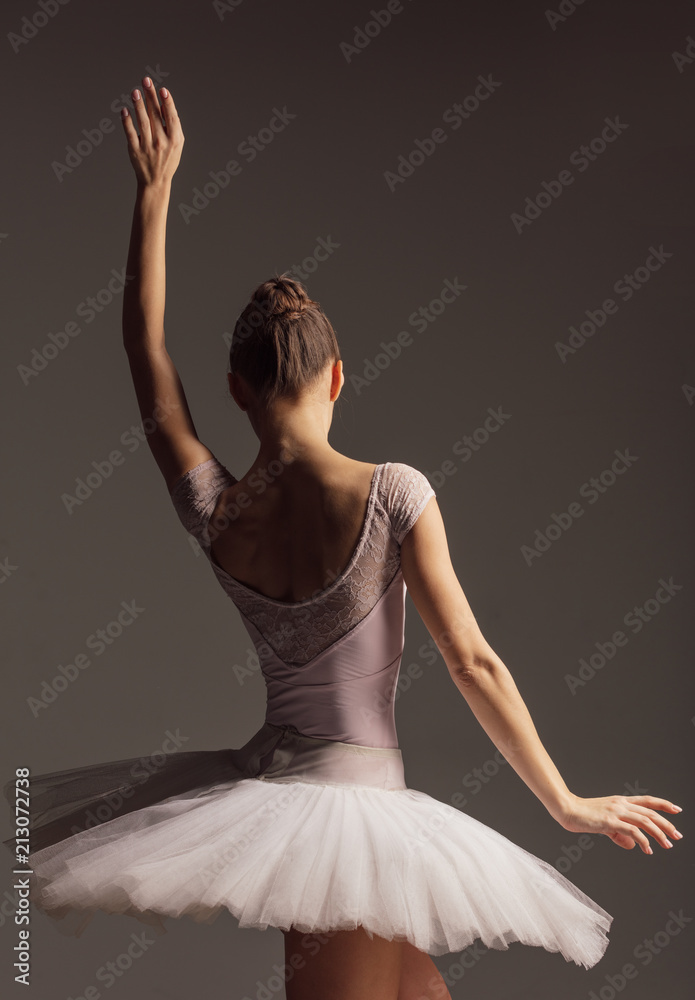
310	826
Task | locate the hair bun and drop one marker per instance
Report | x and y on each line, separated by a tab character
282	341
282	296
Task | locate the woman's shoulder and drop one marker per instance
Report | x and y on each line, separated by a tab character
404	491
402	477
395	480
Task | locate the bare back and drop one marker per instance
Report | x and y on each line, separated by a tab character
293	534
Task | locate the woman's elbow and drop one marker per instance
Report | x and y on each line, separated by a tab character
470	669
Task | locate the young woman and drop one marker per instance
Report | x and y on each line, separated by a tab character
310	827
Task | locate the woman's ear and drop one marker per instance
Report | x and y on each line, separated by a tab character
337	380
236	390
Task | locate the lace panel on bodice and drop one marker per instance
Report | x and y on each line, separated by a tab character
298	631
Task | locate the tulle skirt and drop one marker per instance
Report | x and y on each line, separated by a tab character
291	831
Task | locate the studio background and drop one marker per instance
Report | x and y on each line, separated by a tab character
466	212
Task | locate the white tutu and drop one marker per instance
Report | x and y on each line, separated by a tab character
323	836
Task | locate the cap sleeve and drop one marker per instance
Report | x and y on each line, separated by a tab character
408	491
195	494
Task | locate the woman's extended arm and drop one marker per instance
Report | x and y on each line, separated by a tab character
490	690
155	154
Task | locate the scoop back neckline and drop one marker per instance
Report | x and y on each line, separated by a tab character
376	476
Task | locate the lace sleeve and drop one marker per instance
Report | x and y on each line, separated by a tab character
195	494
409	491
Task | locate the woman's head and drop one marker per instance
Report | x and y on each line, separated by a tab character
282	342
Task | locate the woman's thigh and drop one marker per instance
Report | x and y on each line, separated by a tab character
420	977
341	965
349	965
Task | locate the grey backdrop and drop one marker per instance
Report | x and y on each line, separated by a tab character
533	269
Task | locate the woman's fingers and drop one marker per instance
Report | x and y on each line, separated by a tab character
626	820
171	116
653	802
663	822
646	823
622	840
640	811
629	836
131	133
152	106
141	115
162	119
626	832
155	153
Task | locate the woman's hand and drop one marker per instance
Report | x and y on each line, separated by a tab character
156	152
622	818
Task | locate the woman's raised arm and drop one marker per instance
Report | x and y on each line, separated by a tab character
155	154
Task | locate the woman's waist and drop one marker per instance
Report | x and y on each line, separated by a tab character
283	753
347	714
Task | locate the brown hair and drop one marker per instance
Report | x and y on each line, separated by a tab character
282	340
